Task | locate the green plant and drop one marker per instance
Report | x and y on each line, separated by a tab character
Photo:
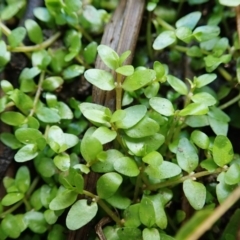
159	149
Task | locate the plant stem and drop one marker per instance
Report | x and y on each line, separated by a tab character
149	36
110	213
43	45
33	186
237	9
216	215
104	207
225	74
164	24
138	184
38	93
182	179
229	103
84	33
11	209
119	92
5	29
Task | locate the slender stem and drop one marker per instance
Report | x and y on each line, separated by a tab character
11	209
119	92
138	184
229	103
218	212
237	9
84	33
110	213
38	93
33	186
164	24
182	179
79	59
5	29
103	205
225	74
149	36
43	45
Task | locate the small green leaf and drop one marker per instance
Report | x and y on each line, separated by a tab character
52	83
107	165
187	156
222	151
10	140
10	226
22	179
200	139
126	70
90	52
152	90
35	200
146	212
153	158
194	109
126	166
232	175
50	216
42	14
204	33
96	113
231	3
62	161
131	216
209	165
28	135
177	85
90	148
80	214
47	115
11	9
195	192
5	55
34	31
104	135
184	34
108	56
204	98
108	184
73	71
150	234
118	115
162	106
163	171
145	127
158	206
223	190
133	115
190	20
36	221
165	39
26	153
127	233
16	37
63	200
12	118
138	79
11	198
118	200
123	57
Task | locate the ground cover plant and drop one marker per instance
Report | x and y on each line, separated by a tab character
167	156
